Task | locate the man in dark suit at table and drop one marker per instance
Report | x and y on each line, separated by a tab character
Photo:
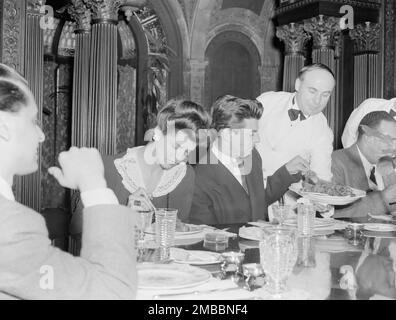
229	184
361	166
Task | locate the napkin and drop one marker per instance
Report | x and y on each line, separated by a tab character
316	281
225	292
193	255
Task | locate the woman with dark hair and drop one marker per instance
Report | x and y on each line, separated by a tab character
158	172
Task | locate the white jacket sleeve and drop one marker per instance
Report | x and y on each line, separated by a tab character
321	150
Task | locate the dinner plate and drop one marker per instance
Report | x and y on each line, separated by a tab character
324	198
170	276
193	229
194	257
319	222
256	234
382	217
379	227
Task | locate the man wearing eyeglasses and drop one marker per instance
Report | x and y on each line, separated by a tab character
361	166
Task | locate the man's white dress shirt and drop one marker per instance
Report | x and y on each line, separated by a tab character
350	133
230	163
283	139
367	169
6	190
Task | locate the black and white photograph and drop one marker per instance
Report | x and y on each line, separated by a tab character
198	156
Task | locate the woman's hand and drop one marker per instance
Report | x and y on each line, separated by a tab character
140	200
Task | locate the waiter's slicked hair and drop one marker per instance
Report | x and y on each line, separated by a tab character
228	111
314	66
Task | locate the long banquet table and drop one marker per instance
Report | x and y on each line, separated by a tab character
328	279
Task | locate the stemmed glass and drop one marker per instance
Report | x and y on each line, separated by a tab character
278	255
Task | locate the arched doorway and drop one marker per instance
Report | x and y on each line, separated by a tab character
233	63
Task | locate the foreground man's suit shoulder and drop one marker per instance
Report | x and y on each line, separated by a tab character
105	270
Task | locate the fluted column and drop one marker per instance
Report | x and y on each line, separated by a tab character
366	61
325	31
103	75
294	37
82	15
28	188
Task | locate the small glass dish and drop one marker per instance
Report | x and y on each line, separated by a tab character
216	241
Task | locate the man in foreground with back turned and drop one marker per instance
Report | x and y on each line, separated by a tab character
30	268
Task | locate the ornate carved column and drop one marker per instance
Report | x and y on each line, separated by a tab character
28	188
103	75
325	31
13	33
366	61
294	37
82	15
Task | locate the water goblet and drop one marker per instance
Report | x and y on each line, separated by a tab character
278	255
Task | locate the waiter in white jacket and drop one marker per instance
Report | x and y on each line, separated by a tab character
293	123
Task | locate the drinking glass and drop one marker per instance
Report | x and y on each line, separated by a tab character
281	212
143	221
278	255
165	228
305	219
306	252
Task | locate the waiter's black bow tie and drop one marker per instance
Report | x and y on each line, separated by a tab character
392	113
294	113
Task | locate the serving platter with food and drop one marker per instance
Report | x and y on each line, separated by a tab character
327	192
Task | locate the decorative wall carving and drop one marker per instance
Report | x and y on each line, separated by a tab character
81	14
67	41
294	36
33	6
104	10
354	3
11	50
323	30
366	37
126	108
127	40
